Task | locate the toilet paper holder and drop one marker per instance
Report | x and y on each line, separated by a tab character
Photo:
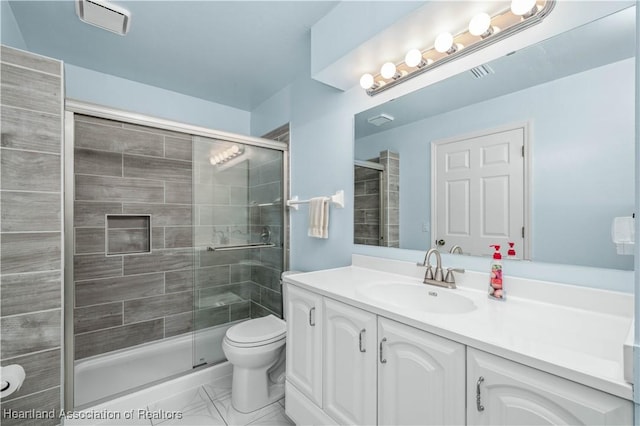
11	379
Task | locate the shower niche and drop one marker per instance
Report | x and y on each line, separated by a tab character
127	234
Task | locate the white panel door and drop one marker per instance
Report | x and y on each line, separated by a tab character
349	364
502	392
479	192
421	377
304	342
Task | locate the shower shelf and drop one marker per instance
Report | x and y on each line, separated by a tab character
240	247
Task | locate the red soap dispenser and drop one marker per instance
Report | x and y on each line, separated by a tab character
496	288
511	253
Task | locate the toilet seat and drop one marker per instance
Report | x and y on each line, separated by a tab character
257	332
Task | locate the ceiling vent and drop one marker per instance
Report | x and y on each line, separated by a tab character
379	120
482	71
105	15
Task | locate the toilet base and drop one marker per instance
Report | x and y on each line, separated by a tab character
256	397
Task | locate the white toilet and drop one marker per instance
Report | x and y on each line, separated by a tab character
256	350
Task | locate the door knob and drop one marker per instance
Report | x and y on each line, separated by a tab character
440	242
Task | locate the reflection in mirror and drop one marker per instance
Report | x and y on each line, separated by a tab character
574	95
376	197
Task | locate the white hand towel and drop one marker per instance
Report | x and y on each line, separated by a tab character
319	217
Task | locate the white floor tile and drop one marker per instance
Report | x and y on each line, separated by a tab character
183	401
192	407
275	418
220	388
236	418
204	415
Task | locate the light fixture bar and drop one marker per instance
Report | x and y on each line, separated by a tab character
380	84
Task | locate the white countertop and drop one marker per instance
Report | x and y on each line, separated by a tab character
572	332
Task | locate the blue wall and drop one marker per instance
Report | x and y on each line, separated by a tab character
115	92
10	33
582	122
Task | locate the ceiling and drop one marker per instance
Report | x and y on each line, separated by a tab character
236	53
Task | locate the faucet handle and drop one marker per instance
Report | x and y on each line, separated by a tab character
428	275
450	278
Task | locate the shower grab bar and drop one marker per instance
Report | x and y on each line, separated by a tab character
240	247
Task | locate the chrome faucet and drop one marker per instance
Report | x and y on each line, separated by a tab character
455	249
437	277
430	275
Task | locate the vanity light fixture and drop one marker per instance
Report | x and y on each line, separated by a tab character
482	31
221	157
480	25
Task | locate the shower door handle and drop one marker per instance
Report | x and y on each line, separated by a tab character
312	317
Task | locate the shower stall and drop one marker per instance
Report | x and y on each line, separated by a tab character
173	233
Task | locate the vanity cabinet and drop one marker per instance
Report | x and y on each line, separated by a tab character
359	368
421	377
304	342
349	364
503	392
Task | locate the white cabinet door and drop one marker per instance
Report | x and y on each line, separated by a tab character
503	392
421	377
304	342
349	364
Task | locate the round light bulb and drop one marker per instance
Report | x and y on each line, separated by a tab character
366	81
480	24
522	7
388	70
212	161
413	58
235	149
444	42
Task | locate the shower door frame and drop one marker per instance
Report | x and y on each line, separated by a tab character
72	107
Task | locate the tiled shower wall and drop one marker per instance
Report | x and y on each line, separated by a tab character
391	199
234	203
377	202
31	225
366	205
129	299
124	300
270	262
265	195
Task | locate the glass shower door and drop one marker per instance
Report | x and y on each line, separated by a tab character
238	234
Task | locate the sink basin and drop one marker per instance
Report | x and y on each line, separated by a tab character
420	297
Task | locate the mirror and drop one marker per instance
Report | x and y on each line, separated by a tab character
575	95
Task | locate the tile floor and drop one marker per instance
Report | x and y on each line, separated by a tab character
211	405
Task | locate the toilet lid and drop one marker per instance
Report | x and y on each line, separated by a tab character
257	330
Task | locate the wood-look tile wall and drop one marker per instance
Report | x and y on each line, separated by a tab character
391	199
31	230
377	202
122	300
129	299
366	206
224	285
